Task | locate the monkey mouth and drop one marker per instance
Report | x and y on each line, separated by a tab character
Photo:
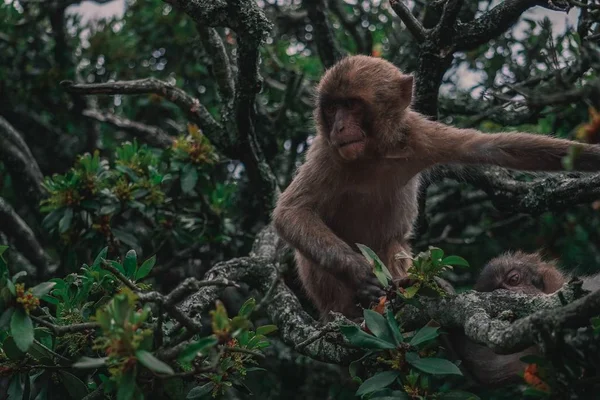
348	143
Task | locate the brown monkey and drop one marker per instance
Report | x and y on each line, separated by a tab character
360	179
519	272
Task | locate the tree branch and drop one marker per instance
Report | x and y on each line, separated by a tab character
190	105
553	192
221	67
24	238
329	53
498	20
20	163
150	134
412	24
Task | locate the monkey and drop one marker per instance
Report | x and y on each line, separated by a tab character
360	178
519	272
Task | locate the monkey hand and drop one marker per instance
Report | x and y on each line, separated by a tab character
369	291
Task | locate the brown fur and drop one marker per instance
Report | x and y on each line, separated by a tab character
535	276
367	193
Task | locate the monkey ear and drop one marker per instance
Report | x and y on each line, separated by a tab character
405	83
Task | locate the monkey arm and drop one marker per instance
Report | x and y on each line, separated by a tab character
304	230
523	151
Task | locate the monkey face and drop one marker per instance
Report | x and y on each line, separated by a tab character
346	120
360	106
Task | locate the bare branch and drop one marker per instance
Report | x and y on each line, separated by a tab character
150	134
444	30
221	66
24	238
553	192
190	105
20	163
327	47
498	20
412	24
60	330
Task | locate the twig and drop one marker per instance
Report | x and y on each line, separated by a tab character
106	265
245	351
60	330
151	134
190	105
24	238
412	24
268	294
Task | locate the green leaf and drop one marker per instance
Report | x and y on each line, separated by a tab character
190	352
200	391
377	382
247	307
42	289
379	268
90	363
433	366
76	388
3	248
458	395
424	334
388	394
11	287
21	329
101	256
40	352
130	263
65	221
360	338
189	178
11	350
265	329
5	318
394	327
149	361
145	268
436	255
455	260
19	274
126	387
378	325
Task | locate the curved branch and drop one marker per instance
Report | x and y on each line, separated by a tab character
190	105
412	24
498	20
327	47
221	66
151	134
21	164
477	313
554	192
25	241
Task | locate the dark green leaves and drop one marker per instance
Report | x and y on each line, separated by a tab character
360	338
424	334
145	268
433	366
379	326
149	361
380	270
455	260
130	263
200	392
377	382
21	329
189	178
191	351
42	289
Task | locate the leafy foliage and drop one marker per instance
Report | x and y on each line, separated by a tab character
94	330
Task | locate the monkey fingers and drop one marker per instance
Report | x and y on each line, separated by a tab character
369	291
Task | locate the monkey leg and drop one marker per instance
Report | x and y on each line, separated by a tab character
326	291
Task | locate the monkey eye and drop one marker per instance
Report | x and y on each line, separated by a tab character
353	104
330	109
513	279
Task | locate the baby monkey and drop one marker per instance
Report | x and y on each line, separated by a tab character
522	273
